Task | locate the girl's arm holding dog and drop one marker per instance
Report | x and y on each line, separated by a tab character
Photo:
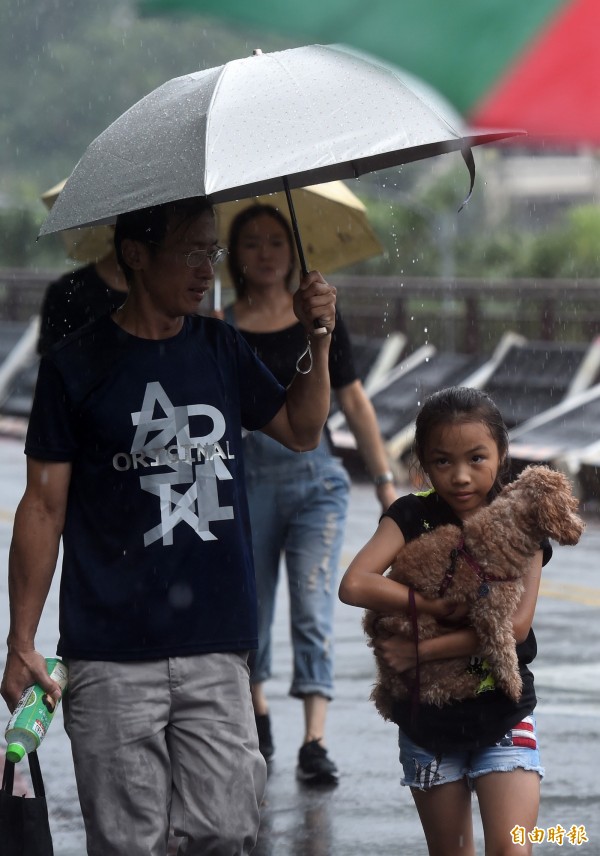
400	653
364	584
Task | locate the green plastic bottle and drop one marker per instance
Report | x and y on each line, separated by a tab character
32	716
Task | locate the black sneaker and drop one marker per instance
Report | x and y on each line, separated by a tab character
314	766
265	740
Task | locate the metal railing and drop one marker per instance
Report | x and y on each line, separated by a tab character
466	315
470	315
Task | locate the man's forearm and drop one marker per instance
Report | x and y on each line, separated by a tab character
32	562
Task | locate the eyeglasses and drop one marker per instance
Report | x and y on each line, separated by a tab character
197	257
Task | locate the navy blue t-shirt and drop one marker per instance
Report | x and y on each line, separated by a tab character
157	547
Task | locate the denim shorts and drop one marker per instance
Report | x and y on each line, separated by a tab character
424	770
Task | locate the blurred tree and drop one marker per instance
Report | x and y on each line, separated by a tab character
18	246
407	238
425	236
499	255
571	250
70	67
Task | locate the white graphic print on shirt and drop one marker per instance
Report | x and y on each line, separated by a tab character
163	439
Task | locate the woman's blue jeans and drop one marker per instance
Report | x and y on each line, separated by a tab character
298	504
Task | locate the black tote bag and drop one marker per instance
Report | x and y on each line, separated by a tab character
24	827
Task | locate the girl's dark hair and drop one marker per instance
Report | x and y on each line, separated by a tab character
458	404
149	225
233	241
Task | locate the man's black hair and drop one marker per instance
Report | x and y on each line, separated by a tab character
149	225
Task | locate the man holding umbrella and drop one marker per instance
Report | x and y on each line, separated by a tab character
134	440
134	459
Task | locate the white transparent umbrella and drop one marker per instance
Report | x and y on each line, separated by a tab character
267	123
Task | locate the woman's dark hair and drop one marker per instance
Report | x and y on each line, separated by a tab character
149	225
233	241
458	404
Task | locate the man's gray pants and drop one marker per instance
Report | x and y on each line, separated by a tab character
166	744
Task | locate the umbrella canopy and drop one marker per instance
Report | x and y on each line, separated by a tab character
502	63
256	125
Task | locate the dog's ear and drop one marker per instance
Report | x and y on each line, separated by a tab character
558	506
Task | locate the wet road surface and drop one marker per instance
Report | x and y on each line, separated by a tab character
369	812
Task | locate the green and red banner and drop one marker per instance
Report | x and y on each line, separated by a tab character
530	64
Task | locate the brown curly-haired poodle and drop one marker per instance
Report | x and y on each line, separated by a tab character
481	565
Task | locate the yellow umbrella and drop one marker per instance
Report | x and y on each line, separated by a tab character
333	221
88	245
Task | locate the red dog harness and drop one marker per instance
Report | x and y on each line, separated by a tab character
484	590
484	579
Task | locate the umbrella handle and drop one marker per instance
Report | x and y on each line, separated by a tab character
295	229
319	329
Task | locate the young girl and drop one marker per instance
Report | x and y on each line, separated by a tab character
487	743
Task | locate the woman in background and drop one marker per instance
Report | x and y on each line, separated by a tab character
298	502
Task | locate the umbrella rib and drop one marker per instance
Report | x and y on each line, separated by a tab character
209	113
467	154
